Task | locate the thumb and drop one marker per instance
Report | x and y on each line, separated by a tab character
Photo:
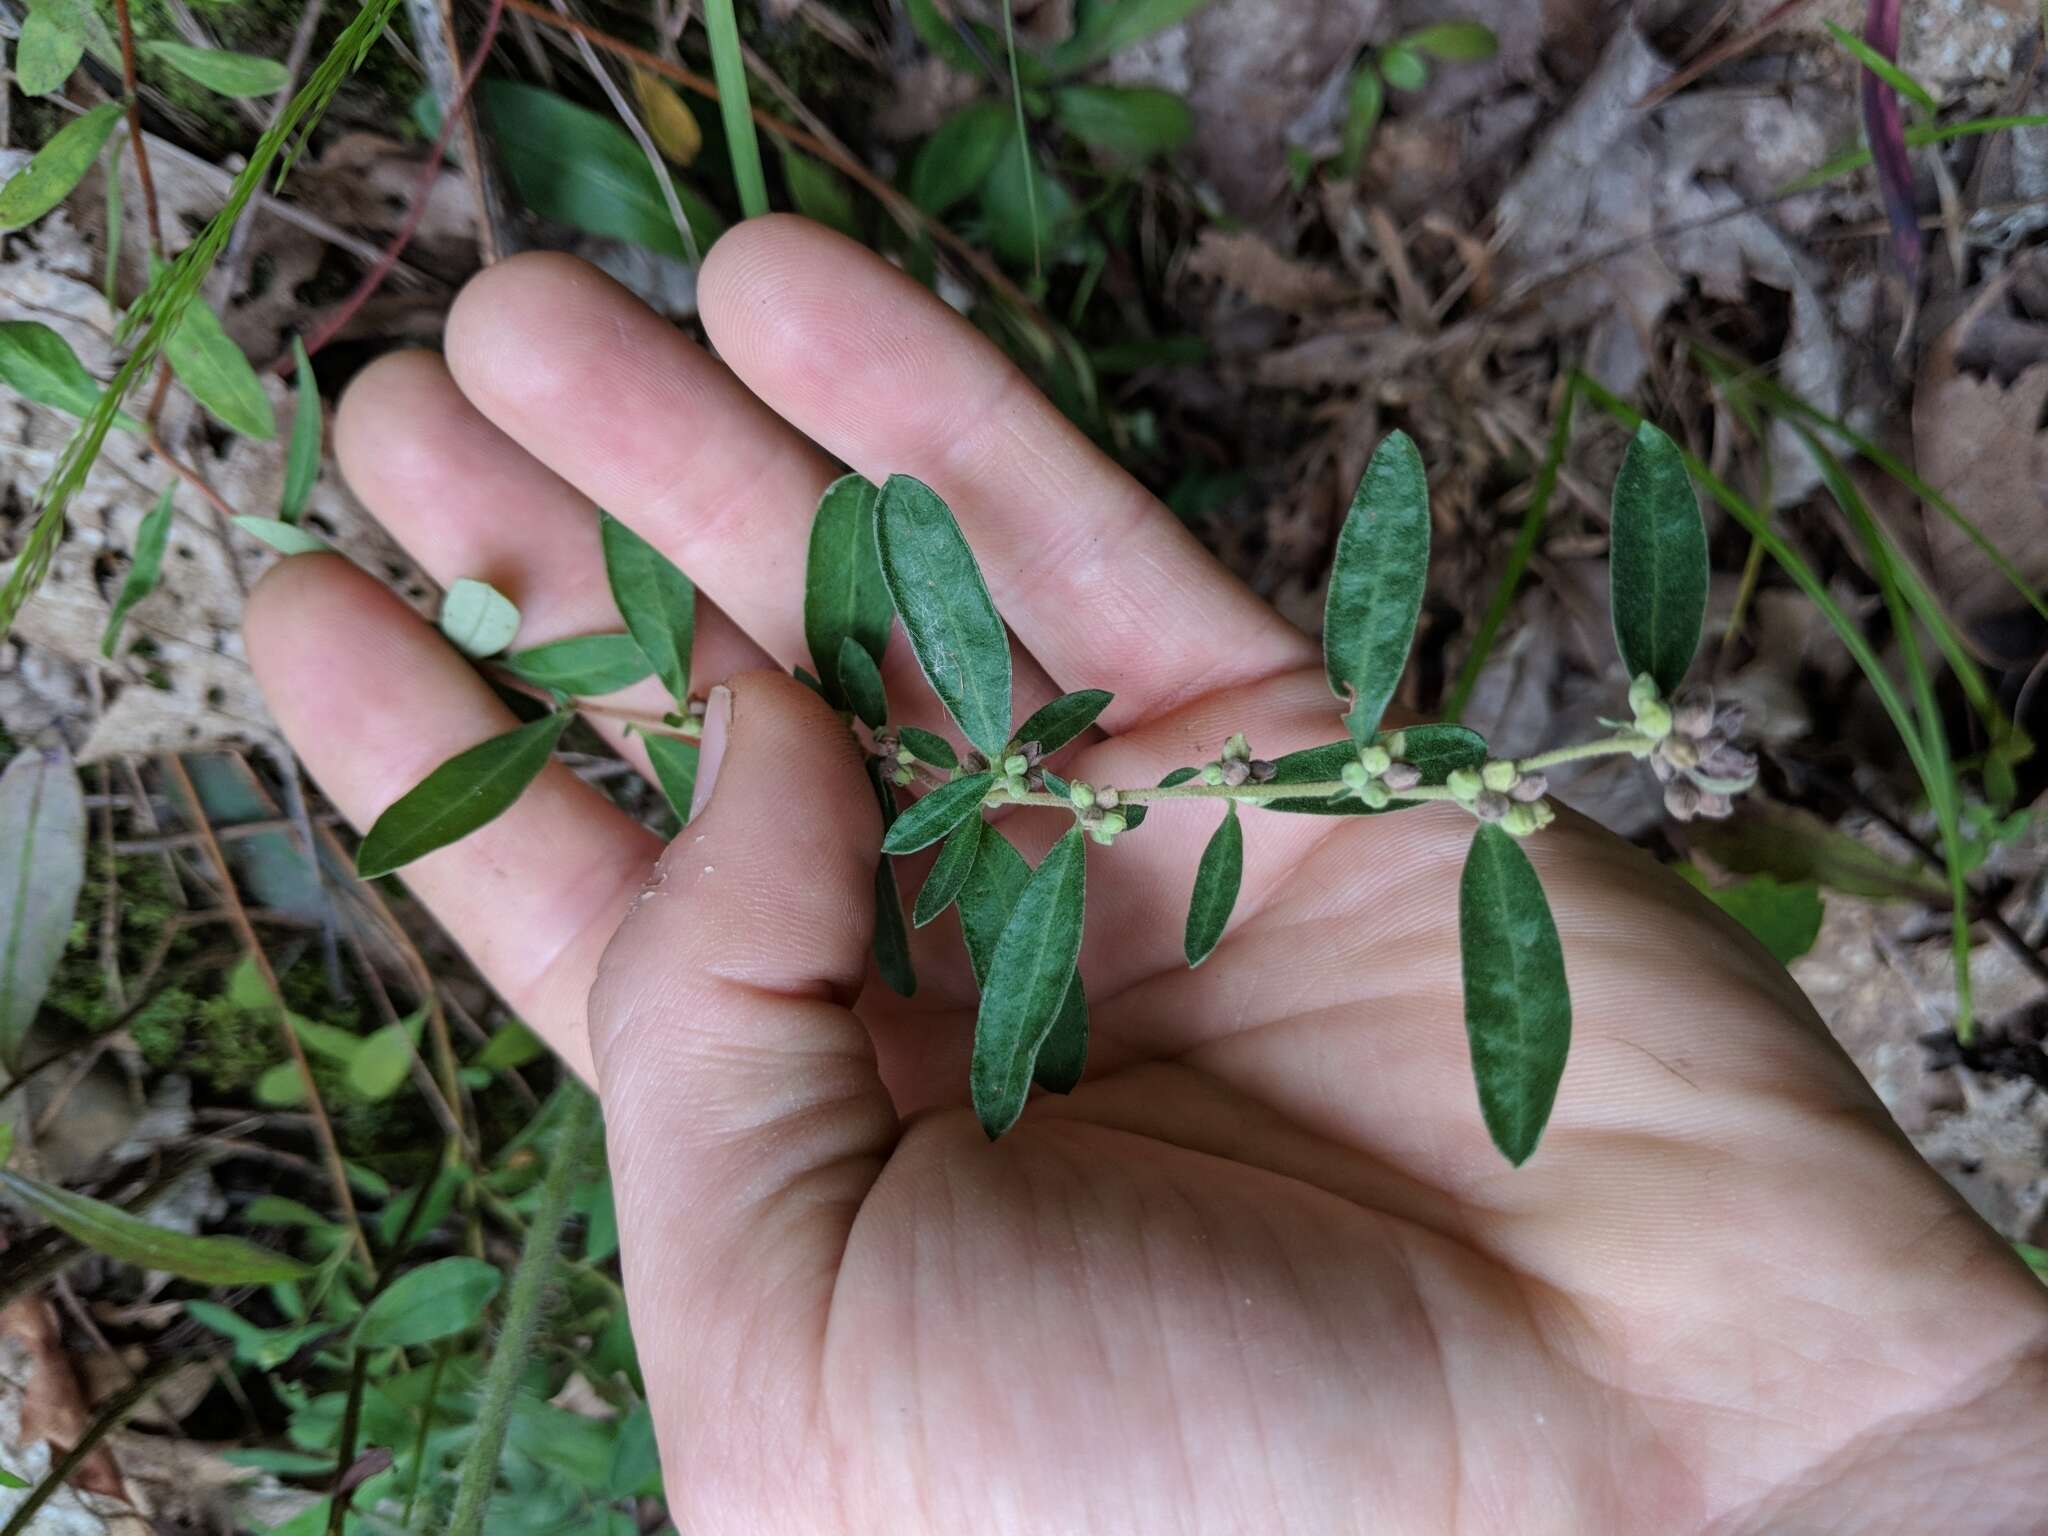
744	1118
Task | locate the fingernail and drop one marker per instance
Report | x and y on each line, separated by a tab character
711	747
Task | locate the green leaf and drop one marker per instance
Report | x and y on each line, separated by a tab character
145	565
892	934
1367	101
986	901
955	863
1784	918
514	1045
820	193
636	1460
281	1086
931	816
954	162
1109	29
582	666
57	167
1885	69
432	1302
1055	724
1455	42
935	751
1029	211
39	365
862	681
302	459
1518	1012
655	599
1216	882
13	1480
1028	979
951	620
1403	67
223	72
46	53
42	870
114	1233
1657	561
1063	1057
581	168
478	619
382	1063
844	594
1134	122
471	788
936	32
285	538
1376	584
217	372
675	769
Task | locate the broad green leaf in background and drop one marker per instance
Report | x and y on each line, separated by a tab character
57	167
1109	29
1435	749
844	594
956	159
636	1462
955	863
862	682
1058	722
209	363
432	1302
1216	881
1029	216
1657	561
302	460
656	600
1518	1013
1403	68
383	1061
892	933
1376	584
581	168
935	30
820	193
39	365
1366	103
513	1045
264	1348
285	538
1028	978
42	870
1784	918
222	71
1455	42
466	791
675	769
114	1233
477	618
932	815
582	666
1135	122
47	51
281	1086
954	630
927	748
145	564
986	899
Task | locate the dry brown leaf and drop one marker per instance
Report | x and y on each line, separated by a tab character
1252	265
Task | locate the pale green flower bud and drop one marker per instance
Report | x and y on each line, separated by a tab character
1396	745
1354	776
1375	759
1375	795
1016	763
905	755
1212	773
1016	786
1654	720
1464	785
1499	775
902	777
1237	749
1642	693
1520	820
692	727
1082	796
1545	813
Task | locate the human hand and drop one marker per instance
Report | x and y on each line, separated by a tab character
1264	1270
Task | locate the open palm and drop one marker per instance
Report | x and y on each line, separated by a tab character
1263	1271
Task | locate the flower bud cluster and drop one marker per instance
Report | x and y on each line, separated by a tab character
1097	810
1377	774
1236	765
1499	791
1019	771
691	721
1696	760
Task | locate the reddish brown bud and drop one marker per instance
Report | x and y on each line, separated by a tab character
1530	788
1490	806
1262	771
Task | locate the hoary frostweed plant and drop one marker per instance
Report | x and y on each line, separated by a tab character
880	555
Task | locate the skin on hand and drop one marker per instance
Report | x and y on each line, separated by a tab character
1263	1271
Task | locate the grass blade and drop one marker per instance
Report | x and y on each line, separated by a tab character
729	66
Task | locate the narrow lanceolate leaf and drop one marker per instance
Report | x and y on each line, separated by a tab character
1028	979
471	788
209	363
222	71
1217	878
927	748
955	864
1376	584
285	538
861	680
1518	1013
302	461
844	595
432	1302
892	934
57	167
952	622
986	900
39	365
1053	725
42	870
1435	749
110	1231
655	599
1657	561
675	769
145	564
932	815
958	156
583	666
47	52
478	619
